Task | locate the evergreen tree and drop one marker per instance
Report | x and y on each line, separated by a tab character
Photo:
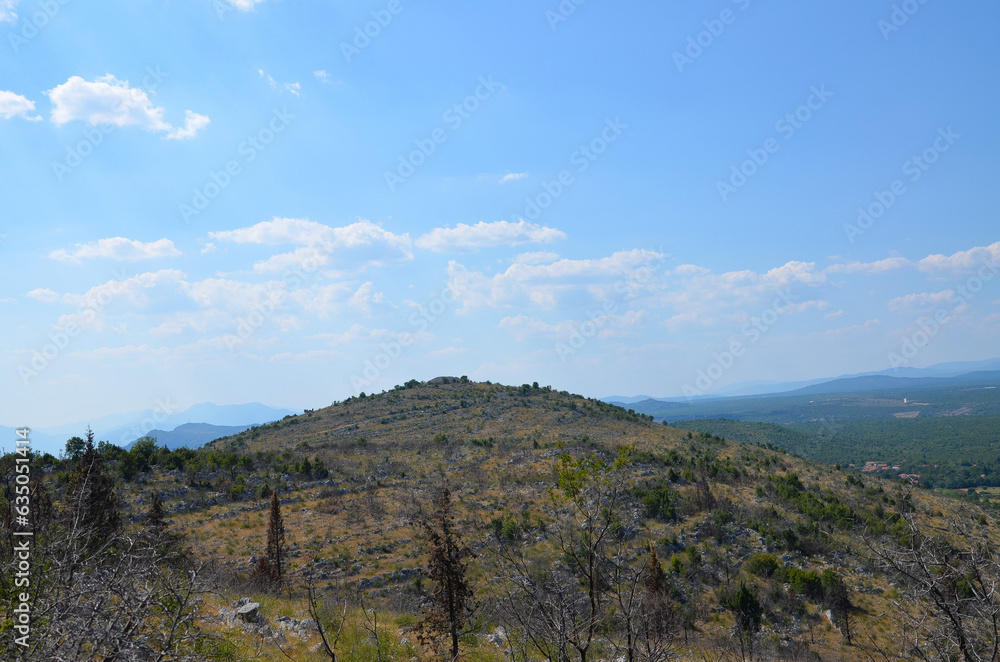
92	503
154	516
837	598
658	621
451	601
275	539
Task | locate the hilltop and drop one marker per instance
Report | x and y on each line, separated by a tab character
734	525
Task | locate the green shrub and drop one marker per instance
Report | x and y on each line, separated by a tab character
762	565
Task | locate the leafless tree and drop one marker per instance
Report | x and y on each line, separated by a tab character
952	582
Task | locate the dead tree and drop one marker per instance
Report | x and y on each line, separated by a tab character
952	585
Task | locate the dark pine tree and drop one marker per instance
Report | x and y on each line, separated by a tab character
452	599
275	539
91	500
154	516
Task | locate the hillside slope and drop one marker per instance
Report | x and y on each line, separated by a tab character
355	477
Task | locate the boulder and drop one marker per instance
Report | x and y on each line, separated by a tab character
249	612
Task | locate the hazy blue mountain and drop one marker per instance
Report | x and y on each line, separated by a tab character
122	429
953	369
626	399
192	435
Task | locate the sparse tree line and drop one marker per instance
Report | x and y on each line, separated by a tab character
575	580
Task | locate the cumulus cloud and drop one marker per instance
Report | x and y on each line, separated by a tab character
151	291
880	266
963	262
512	177
7	11
536	257
117	248
324	301
543	285
606	325
44	295
703	294
465	238
193	123
107	100
920	302
245	5
15	105
360	244
322	75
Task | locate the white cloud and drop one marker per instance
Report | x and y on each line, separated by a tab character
691	270
855	330
275	232
151	291
117	248
446	351
536	257
701	297
7	13
208	248
543	285
15	105
807	306
920	303
522	327
245	5
512	176
500	233
294	88
360	244
335	299
322	75
310	358
193	123
108	100
44	295
834	315
962	262
881	266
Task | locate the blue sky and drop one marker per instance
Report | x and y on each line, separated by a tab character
234	201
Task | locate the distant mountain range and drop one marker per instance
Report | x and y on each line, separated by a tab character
123	429
193	435
936	374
